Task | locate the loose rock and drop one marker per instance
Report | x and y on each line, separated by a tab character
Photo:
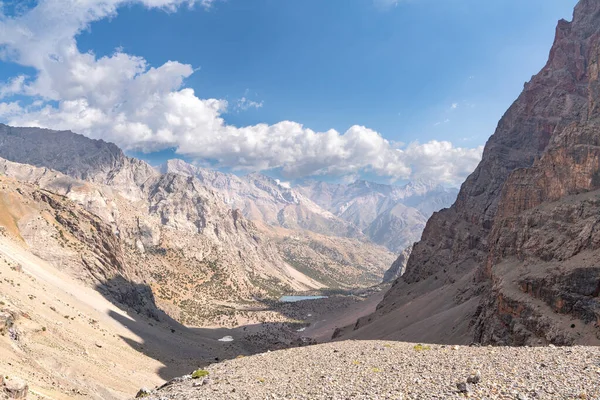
16	388
143	392
475	378
463	387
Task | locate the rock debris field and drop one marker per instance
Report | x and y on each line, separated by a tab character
395	370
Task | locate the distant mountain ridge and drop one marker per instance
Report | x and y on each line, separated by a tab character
262	198
388	215
392	216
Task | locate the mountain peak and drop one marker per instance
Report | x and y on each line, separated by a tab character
70	153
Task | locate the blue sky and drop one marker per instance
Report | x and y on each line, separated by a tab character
429	77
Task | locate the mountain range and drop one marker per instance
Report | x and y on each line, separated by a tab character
392	216
220	239
115	272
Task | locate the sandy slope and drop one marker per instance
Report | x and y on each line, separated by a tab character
74	343
324	324
65	357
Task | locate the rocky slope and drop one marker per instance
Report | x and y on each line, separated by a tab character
67	340
312	240
392	216
370	370
512	260
336	262
186	252
76	156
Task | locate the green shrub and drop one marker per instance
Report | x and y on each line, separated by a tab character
199	373
420	347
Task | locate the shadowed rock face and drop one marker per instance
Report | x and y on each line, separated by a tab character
398	267
521	237
76	156
63	151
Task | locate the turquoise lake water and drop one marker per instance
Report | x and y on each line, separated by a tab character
292	299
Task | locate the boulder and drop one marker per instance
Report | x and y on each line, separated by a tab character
15	388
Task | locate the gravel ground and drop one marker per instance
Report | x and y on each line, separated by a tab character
394	370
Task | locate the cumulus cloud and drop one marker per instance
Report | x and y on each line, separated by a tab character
283	184
120	98
441	161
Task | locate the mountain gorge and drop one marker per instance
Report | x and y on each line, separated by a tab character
513	261
182	234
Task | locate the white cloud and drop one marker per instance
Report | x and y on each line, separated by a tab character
10	109
283	184
120	98
12	87
454	106
441	161
349	179
244	104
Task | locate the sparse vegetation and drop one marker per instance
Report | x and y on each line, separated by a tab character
199	373
420	347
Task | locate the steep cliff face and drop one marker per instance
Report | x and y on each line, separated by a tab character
398	267
508	256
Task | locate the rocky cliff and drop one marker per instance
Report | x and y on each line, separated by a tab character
76	156
398	267
512	261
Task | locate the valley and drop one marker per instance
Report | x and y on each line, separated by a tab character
115	258
209	275
71	341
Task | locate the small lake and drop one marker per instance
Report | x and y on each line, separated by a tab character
293	299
